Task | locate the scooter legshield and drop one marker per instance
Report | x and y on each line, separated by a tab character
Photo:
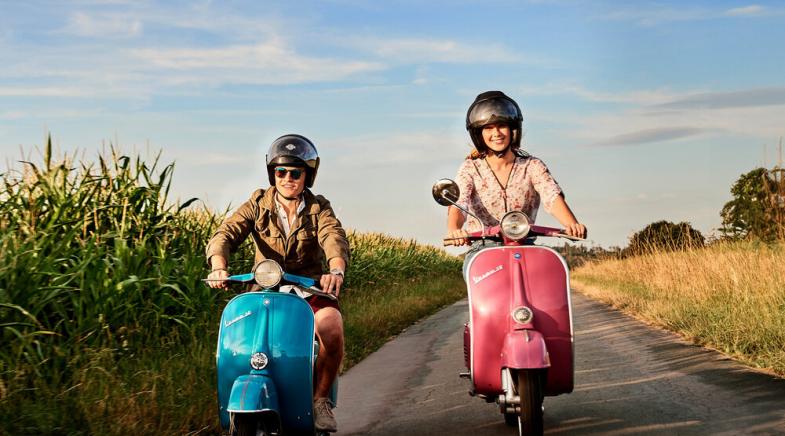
282	327
501	279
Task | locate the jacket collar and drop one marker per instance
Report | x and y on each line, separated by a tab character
312	207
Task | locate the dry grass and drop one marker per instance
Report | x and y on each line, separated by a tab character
729	296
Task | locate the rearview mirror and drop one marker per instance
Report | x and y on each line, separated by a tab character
445	192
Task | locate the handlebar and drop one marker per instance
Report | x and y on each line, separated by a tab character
536	231
306	283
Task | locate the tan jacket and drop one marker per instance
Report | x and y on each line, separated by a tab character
316	234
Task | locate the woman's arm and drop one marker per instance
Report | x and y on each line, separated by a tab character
455	220
562	212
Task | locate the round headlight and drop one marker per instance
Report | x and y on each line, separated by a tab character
267	273
259	361
523	315
515	225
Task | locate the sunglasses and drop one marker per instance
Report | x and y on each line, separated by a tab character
282	172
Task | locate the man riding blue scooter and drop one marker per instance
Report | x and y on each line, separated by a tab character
298	230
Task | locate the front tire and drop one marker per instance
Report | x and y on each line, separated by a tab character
530	391
250	424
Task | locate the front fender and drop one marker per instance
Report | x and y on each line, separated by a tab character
525	349
253	393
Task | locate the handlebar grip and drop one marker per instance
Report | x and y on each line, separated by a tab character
572	238
452	242
316	291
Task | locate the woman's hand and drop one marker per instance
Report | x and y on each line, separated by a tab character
457	237
331	283
218	274
576	229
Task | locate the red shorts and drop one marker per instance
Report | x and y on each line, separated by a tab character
318	303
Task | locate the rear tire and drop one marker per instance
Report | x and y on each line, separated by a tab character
530	390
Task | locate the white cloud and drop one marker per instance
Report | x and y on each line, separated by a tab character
269	62
772	96
661	115
431	50
647	126
640	97
652	135
103	25
657	116
40	91
751	10
652	16
13	115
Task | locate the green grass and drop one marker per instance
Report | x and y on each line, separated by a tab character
105	325
374	315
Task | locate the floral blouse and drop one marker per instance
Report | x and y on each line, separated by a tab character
481	193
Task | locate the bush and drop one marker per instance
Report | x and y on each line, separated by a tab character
664	236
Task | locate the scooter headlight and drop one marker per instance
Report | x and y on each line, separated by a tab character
523	315
267	273
259	361
515	225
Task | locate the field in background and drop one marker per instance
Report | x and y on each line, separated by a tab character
105	325
729	296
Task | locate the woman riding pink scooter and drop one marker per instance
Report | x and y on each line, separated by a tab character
518	343
499	177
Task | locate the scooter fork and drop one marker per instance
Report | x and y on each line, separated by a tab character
510	402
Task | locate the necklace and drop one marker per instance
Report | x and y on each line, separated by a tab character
503	187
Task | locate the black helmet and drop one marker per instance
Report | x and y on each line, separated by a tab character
293	150
493	107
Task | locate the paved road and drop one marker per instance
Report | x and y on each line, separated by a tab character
630	379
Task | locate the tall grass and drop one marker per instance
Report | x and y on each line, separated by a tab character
729	295
392	283
105	325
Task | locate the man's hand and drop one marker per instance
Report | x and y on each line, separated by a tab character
220	273
331	283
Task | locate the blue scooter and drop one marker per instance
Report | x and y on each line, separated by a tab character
266	355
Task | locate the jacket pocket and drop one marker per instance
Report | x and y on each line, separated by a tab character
270	237
306	246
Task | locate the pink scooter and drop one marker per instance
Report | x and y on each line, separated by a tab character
518	344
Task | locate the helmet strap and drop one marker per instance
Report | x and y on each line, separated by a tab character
500	153
285	197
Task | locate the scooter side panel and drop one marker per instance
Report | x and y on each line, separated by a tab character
281	326
493	277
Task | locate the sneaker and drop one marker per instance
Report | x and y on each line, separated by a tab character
324	419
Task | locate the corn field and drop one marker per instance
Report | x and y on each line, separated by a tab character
106	327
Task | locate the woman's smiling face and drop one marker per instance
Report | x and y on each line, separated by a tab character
496	136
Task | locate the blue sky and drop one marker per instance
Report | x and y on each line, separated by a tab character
642	110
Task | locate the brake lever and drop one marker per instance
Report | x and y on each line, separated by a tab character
316	291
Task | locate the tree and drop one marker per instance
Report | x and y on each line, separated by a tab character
664	236
754	211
